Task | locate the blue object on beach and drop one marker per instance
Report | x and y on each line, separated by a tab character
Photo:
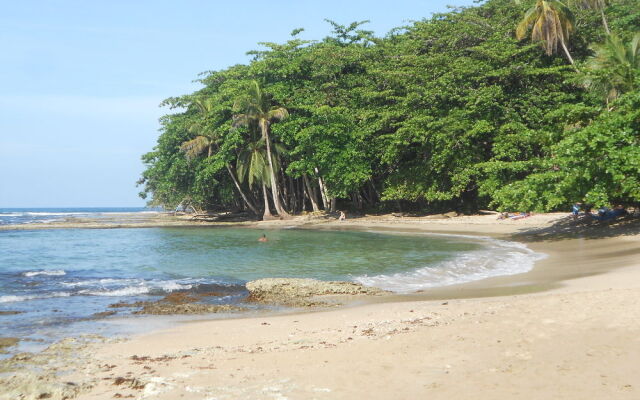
575	209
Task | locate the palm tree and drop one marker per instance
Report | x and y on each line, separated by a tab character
253	166
598	5
552	22
206	141
614	66
257	110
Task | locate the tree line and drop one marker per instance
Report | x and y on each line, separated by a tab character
523	106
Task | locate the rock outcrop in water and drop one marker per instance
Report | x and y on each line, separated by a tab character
179	303
160	308
298	292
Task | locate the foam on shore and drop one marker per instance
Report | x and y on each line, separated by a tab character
496	258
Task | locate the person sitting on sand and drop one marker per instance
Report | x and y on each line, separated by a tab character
263	238
522	215
342	216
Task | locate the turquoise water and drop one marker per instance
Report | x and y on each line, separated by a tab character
57	279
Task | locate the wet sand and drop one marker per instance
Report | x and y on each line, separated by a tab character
568	329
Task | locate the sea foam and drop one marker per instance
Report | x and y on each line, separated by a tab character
13	298
496	258
53	272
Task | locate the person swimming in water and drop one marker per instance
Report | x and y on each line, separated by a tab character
263	238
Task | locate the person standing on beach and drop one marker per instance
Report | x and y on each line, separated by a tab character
575	210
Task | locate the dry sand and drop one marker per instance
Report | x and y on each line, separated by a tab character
569	329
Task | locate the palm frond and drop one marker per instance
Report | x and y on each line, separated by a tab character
529	19
195	147
240	120
635	50
278	114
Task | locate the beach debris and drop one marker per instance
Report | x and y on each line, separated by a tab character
133	383
298	292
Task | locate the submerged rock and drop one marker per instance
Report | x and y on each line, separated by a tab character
304	292
10	312
179	303
162	308
7	342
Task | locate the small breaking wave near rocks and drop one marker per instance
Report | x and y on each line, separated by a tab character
54	272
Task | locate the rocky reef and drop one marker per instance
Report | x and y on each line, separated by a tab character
179	303
45	375
298	292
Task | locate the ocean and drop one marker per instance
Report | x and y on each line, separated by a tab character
56	282
20	216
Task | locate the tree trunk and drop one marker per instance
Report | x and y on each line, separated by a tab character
323	191
604	22
267	213
566	51
311	194
284	194
274	183
244	196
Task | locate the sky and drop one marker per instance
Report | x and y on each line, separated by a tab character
81	81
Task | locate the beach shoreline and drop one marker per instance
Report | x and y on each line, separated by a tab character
262	356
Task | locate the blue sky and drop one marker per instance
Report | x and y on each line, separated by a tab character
80	81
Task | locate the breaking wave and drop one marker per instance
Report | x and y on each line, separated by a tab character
496	258
53	272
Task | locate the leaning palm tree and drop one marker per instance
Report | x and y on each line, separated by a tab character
205	142
252	166
255	108
551	23
615	66
597	5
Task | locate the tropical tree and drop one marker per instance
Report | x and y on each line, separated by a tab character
205	142
551	23
597	5
257	110
252	166
615	67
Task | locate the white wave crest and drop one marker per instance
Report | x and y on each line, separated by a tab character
102	282
126	291
496	258
44	214
134	289
12	298
53	272
170	286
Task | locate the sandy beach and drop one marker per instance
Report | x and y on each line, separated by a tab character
568	329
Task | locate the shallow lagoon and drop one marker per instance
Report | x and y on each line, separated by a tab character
59	278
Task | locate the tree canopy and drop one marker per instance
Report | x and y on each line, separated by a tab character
463	110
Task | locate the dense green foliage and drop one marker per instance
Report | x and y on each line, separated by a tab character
449	112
